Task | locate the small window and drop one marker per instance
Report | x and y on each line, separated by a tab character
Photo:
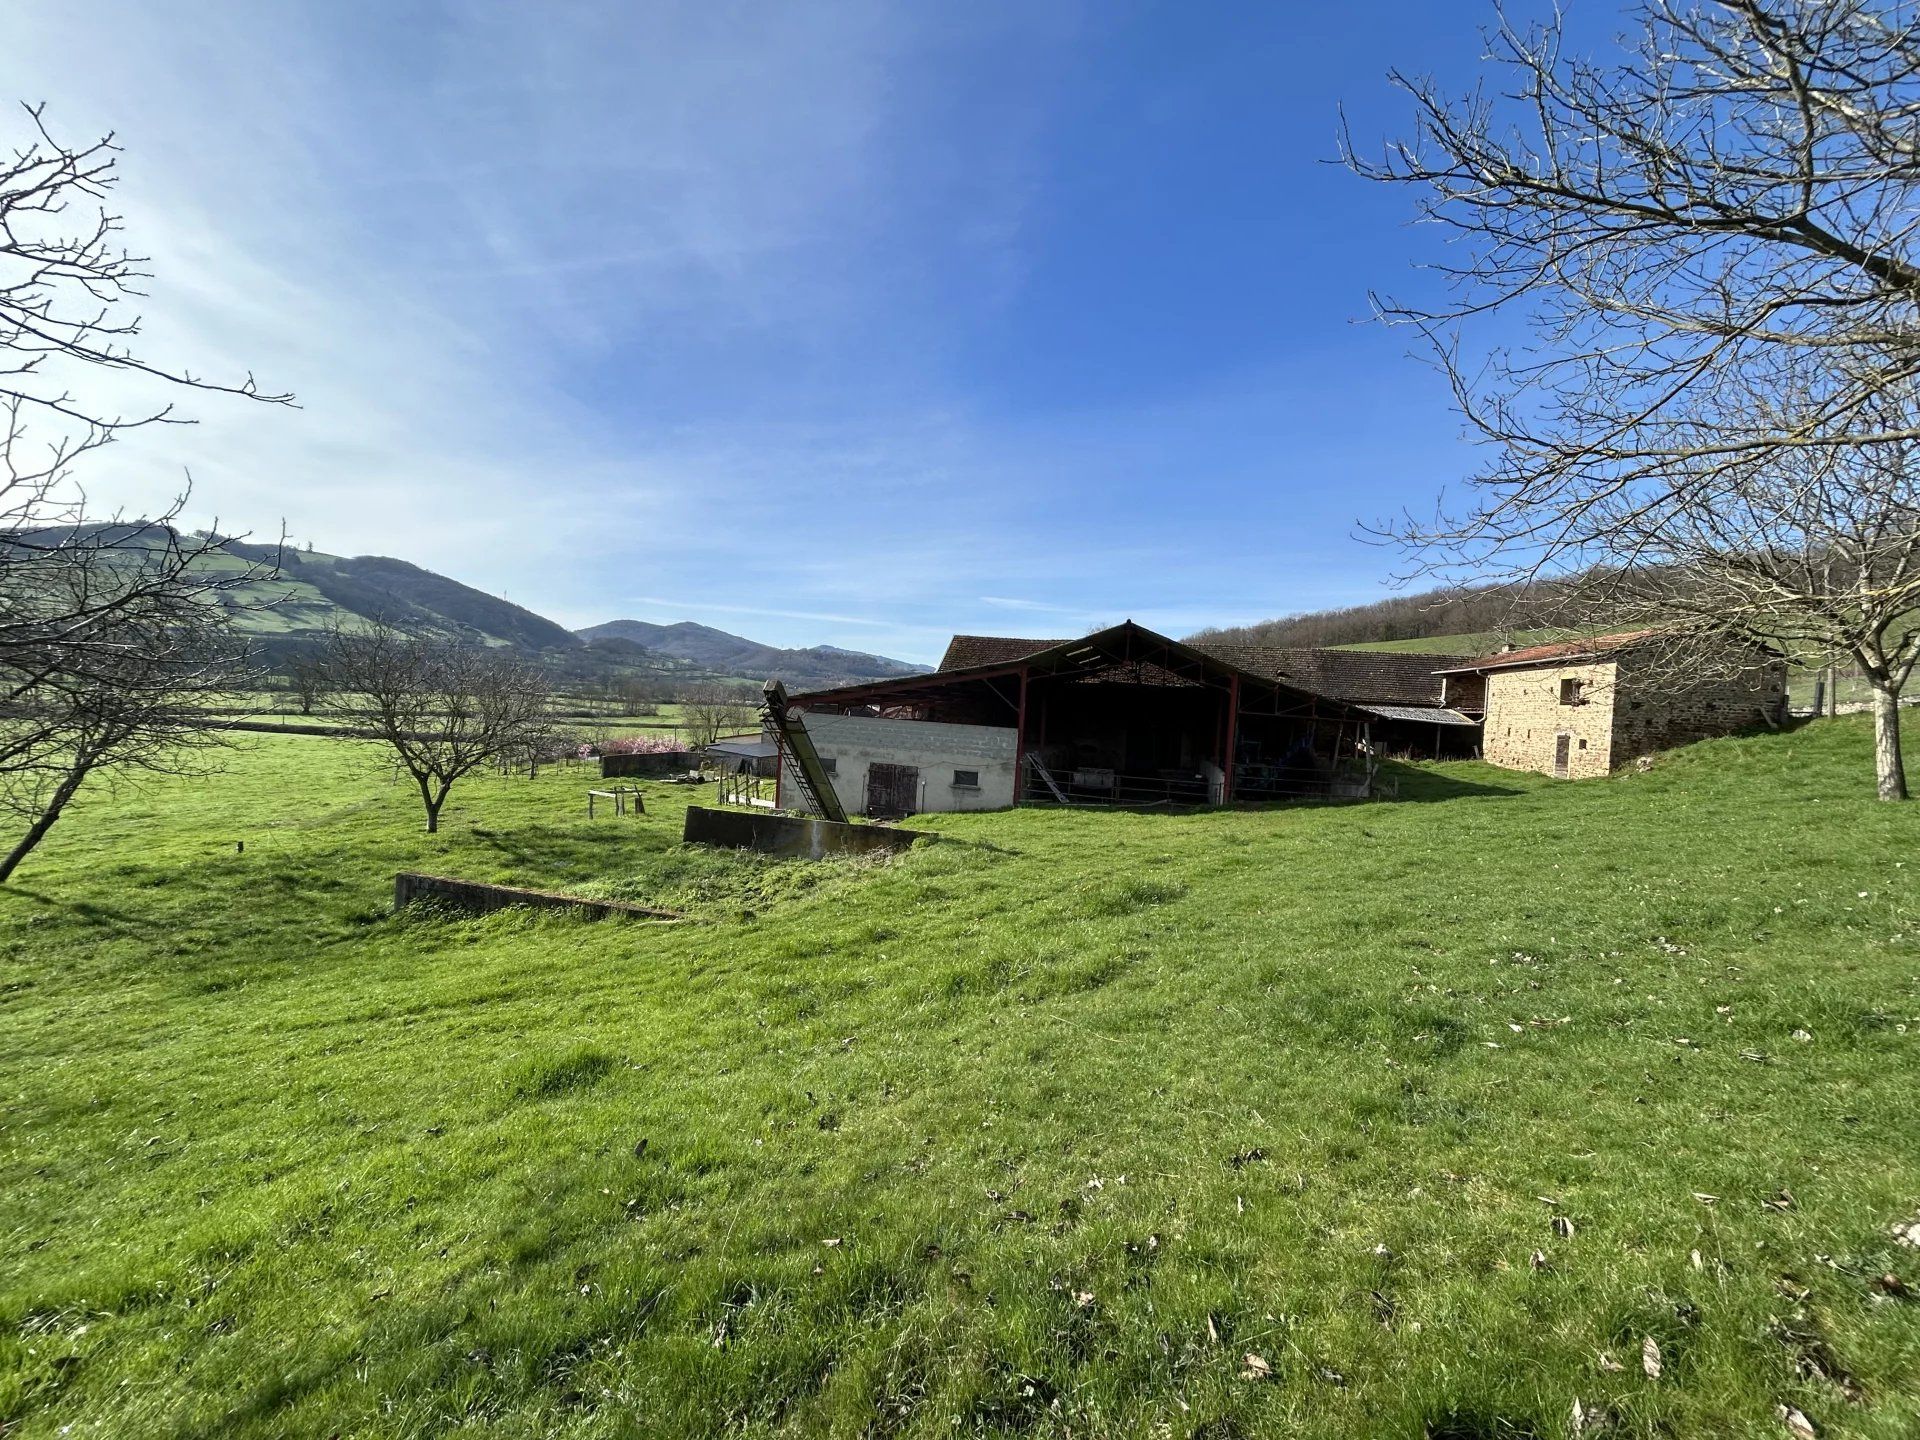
1573	692
966	779
830	764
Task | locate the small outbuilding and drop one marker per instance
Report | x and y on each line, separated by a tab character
1584	708
756	754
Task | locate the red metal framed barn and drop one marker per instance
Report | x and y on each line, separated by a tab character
1127	716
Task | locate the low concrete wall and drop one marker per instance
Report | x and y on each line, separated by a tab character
655	763
792	835
477	898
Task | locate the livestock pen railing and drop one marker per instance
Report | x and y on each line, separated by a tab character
743	788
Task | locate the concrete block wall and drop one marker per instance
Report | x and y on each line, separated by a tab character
936	750
1525	718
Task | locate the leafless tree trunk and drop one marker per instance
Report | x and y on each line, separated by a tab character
443	709
1717	246
137	703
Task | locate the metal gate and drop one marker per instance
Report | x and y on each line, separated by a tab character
892	790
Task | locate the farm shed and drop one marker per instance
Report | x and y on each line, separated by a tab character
1583	708
756	754
1124	716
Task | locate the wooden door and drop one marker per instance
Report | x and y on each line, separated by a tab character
892	790
1562	754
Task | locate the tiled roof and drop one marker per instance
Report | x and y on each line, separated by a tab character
1546	654
1380	677
966	651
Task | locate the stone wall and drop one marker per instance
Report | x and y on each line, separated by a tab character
1525	718
1653	714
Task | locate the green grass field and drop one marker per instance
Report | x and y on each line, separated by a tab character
1443	1109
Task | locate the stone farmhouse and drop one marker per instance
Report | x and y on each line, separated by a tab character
1585	708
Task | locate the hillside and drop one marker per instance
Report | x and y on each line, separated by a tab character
729	654
286	599
1490	612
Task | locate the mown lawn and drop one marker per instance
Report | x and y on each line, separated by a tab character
1442	1109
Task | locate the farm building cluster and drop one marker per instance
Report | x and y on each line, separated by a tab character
1126	716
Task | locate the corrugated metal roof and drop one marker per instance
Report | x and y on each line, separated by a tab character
1421	714
747	748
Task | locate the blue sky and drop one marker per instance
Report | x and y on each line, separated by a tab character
846	323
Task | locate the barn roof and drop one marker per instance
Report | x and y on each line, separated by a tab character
1133	651
964	652
1383	677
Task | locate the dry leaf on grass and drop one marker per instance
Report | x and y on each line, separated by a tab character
1650	1357
1255	1368
1797	1424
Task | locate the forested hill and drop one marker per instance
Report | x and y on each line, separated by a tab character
1458	611
312	590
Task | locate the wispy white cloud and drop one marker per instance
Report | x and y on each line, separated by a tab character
593	300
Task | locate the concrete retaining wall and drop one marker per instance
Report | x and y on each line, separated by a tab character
655	763
479	899
791	835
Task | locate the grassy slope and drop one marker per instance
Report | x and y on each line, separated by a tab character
1090	1106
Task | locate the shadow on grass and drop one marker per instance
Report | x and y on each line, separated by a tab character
120	921
1417	784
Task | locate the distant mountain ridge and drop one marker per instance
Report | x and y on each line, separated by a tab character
726	653
371	587
286	599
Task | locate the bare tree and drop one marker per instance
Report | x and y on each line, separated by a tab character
710	711
73	588
136	702
444	709
1731	212
64	277
307	680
